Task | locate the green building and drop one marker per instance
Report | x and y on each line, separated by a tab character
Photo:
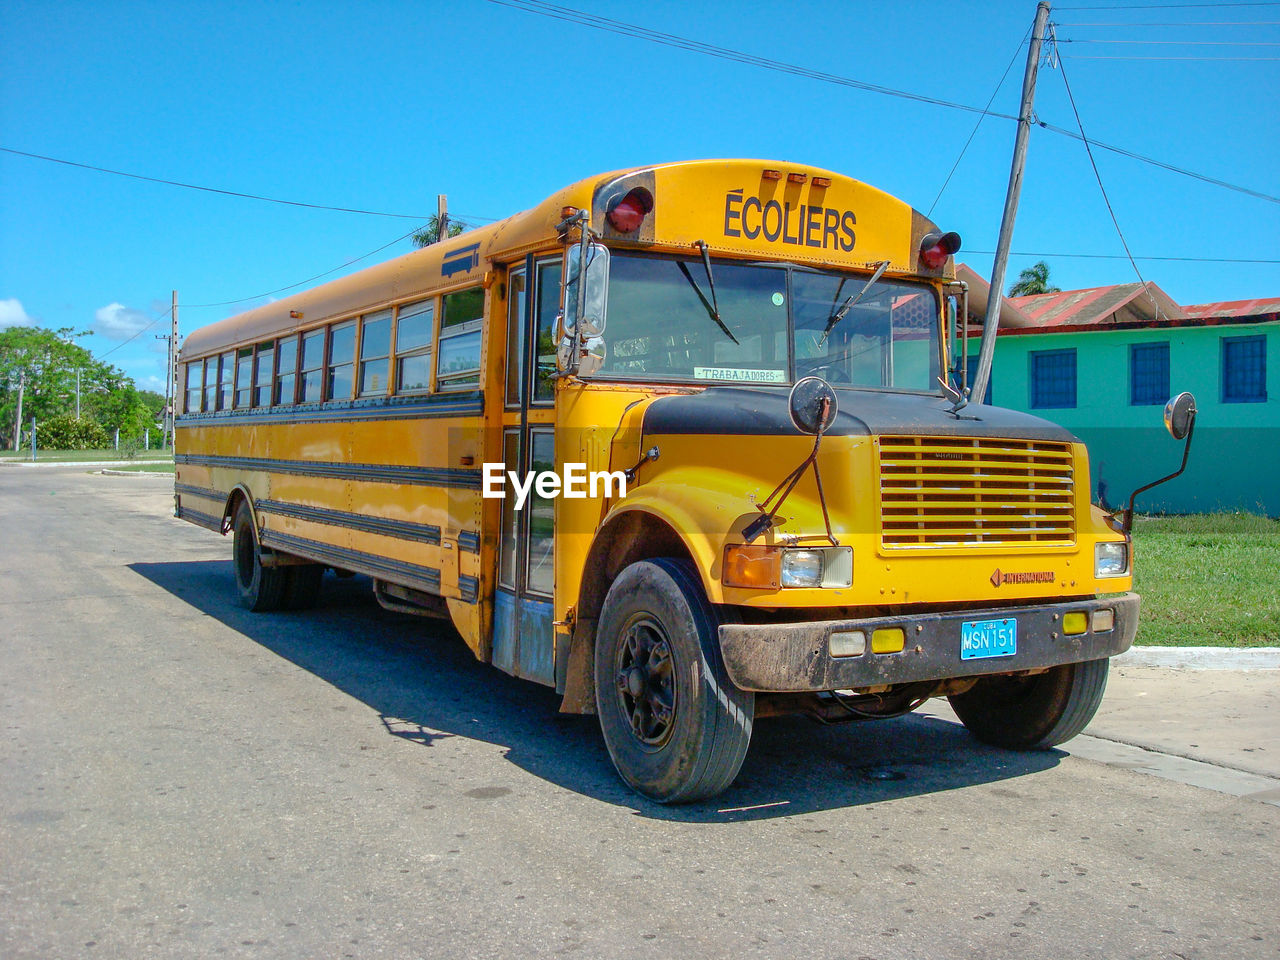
1102	362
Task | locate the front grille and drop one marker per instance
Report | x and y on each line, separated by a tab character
979	492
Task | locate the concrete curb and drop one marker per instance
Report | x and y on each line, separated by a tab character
163	475
1201	658
78	464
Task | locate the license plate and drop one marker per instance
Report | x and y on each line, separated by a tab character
982	639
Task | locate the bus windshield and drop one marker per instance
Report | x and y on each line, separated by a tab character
663	325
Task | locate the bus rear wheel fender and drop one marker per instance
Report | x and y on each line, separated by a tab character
676	727
260	587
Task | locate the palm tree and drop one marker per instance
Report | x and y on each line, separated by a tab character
431	232
1033	280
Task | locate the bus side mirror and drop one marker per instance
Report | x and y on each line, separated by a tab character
595	278
1180	415
1180	420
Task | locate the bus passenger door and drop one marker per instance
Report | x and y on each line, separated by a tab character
523	637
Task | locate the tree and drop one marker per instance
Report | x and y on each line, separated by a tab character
1033	280
43	364
431	232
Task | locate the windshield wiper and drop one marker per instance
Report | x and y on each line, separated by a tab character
712	308
850	300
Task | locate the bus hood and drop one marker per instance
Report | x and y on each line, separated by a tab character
763	411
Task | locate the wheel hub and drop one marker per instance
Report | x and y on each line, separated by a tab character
646	682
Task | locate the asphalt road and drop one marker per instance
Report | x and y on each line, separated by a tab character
181	778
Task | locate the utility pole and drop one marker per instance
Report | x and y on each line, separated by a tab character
17	421
991	322
77	393
442	218
172	409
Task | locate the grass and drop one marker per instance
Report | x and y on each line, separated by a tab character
1208	580
83	456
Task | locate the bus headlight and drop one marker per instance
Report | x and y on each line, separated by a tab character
802	568
1110	560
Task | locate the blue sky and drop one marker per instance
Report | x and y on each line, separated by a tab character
381	106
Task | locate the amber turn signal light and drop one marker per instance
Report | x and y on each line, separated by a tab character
752	566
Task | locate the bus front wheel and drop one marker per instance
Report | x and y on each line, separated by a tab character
260	588
1036	712
676	727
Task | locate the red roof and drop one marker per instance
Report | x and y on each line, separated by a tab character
1117	304
1234	308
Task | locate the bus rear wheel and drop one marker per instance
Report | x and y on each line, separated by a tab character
1037	712
676	727
260	588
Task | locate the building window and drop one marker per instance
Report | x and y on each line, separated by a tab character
375	354
342	361
1053	379
286	371
461	330
1244	369
1148	374
414	335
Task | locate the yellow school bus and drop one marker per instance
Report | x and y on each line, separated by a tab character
681	442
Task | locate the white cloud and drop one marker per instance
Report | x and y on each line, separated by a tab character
12	314
150	383
115	321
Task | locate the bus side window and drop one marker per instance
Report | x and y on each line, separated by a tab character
414	334
194	370
375	353
312	367
226	370
263	370
244	377
461	331
342	357
287	370
210	383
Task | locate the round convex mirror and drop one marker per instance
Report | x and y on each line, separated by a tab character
807	408
1179	414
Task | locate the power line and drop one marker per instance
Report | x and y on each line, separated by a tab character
571	15
1159	163
955	166
1181	23
1188	43
194	186
300	283
1098	176
1074	56
1170	6
136	335
622	28
1120	256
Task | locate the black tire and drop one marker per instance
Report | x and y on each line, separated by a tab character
676	727
1034	713
260	588
302	586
